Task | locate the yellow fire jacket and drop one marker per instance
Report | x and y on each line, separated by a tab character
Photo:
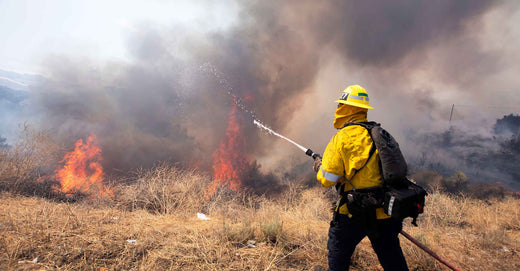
347	152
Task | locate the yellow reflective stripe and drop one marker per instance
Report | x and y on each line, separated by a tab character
329	176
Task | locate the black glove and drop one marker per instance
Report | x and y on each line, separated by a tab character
317	164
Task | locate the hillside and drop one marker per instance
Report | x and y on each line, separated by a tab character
151	224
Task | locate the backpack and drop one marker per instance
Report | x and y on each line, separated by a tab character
402	198
392	164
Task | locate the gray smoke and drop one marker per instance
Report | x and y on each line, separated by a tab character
382	32
287	61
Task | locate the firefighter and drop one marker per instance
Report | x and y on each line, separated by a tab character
350	162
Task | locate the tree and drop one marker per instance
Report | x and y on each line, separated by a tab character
507	124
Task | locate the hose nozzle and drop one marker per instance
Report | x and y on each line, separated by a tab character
310	153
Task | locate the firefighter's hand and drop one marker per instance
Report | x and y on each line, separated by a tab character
317	164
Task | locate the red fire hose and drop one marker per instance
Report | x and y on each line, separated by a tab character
429	251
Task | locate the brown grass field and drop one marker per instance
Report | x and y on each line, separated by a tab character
151	224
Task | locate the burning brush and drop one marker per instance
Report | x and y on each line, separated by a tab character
82	172
229	160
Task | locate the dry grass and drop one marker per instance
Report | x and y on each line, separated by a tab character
168	236
35	153
472	234
288	232
163	189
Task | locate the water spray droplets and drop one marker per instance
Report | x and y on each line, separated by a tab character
209	68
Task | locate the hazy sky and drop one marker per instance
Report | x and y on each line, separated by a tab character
31	30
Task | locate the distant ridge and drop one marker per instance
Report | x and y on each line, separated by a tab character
19	81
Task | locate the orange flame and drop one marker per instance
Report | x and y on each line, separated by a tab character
82	171
229	160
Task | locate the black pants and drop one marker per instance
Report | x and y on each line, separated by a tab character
345	234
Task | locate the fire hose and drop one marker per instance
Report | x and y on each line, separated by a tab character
310	153
429	251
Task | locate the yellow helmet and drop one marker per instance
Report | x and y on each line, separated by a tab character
355	95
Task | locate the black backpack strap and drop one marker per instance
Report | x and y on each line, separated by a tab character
341	188
342	200
367	125
414	220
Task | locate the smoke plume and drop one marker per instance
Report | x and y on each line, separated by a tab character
287	62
